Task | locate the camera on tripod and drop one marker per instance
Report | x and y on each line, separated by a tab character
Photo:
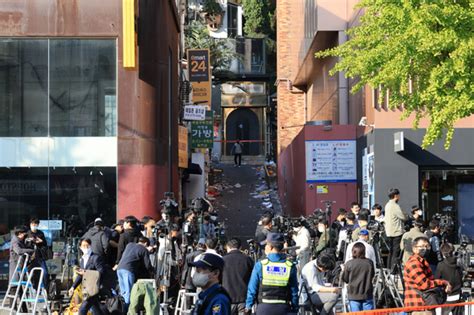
375	226
169	203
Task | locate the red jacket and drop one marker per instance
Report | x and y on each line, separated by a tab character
417	275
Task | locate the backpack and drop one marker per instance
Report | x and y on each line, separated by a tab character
54	290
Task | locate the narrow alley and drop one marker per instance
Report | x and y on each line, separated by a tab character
242	197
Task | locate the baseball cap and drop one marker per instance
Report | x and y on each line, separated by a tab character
274	238
363	232
98	221
209	261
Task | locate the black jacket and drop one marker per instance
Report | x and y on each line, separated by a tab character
434	255
236	275
136	259
358	274
17	249
186	275
449	270
100	240
41	248
95	262
128	236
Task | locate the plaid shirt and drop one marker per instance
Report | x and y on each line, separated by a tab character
417	275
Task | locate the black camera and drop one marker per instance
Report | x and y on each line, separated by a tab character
375	226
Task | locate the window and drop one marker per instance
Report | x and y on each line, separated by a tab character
80	93
81	71
23	88
232	21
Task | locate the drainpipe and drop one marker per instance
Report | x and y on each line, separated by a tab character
343	88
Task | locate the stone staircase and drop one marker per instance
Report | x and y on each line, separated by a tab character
246	159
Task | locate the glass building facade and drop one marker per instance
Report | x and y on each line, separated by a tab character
58	129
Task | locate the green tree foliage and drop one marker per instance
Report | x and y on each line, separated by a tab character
221	52
259	18
429	43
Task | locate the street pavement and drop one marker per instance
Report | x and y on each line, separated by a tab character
240	203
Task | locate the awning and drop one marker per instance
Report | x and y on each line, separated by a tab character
193	168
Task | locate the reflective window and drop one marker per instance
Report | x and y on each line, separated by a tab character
81	87
82	76
23	88
75	196
232	20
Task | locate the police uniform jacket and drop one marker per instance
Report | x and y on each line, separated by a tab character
257	277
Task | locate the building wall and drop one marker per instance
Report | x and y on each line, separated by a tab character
143	113
143	94
291	104
401	170
299	197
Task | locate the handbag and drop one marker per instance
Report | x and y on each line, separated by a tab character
115	305
434	296
90	283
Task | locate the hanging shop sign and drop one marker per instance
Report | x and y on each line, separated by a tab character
200	75
182	147
331	161
202	132
194	112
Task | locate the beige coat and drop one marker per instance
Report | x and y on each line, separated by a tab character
394	219
407	240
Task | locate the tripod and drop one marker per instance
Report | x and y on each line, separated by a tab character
385	289
166	281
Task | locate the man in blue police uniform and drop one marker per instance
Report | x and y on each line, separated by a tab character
214	299
273	281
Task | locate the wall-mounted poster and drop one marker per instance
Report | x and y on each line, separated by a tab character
331	161
365	181
371	178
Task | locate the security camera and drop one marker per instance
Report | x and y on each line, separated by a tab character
363	122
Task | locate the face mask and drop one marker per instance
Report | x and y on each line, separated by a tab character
33	228
321	229
200	279
86	251
420	213
423	252
213	218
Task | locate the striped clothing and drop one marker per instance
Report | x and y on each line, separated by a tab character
417	275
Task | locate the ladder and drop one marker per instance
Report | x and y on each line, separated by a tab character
182	307
16	285
33	296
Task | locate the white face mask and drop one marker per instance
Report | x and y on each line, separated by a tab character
200	279
321	229
86	251
213	218
420	213
33	228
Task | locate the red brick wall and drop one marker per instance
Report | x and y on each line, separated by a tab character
291	106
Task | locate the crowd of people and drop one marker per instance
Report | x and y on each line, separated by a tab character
292	267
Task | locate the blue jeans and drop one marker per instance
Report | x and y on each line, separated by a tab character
92	304
126	280
361	305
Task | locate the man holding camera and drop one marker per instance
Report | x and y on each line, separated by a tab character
274	281
18	248
394	226
321	294
37	239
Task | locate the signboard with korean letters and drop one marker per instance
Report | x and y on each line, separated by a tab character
331	161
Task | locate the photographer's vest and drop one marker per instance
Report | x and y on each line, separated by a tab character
274	288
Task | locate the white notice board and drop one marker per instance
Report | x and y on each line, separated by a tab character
331	161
